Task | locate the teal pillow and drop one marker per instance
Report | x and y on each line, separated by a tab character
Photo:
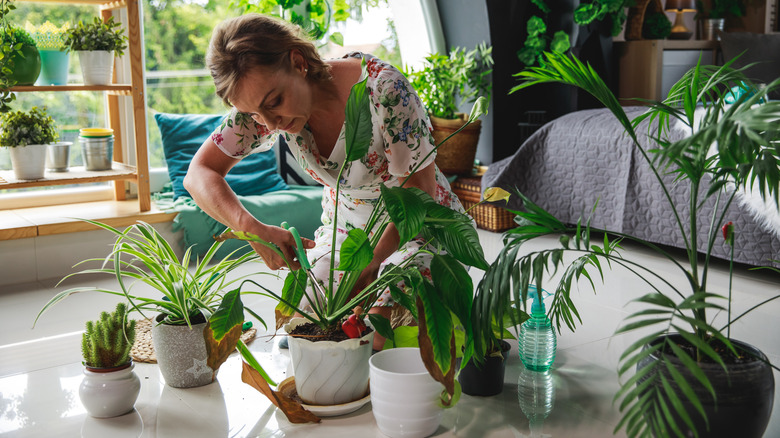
183	134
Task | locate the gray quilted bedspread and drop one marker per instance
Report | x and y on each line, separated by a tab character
584	157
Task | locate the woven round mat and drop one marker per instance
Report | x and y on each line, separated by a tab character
143	349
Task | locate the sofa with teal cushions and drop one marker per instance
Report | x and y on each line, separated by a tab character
265	183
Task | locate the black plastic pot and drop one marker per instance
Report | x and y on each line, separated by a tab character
745	394
488	379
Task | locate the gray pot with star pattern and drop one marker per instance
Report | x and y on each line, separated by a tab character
181	354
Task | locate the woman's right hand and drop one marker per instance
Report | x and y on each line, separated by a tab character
286	243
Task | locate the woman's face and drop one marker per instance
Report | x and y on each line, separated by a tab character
279	100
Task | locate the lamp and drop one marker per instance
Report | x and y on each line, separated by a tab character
679	31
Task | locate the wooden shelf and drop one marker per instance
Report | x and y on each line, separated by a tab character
138	174
75	175
104	4
118	89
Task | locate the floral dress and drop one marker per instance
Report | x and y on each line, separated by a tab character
401	140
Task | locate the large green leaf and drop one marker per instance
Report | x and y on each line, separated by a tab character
438	326
456	233
358	129
292	293
406	210
356	252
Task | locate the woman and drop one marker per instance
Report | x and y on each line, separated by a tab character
278	85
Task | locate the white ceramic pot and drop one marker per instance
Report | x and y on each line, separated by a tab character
109	392
404	397
97	67
329	373
182	355
28	161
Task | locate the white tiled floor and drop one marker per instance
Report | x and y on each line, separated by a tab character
40	370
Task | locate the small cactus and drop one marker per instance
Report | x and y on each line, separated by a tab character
106	343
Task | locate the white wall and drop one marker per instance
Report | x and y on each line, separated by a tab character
52	257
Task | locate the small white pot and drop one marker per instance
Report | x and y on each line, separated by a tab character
329	373
29	161
97	66
404	397
107	393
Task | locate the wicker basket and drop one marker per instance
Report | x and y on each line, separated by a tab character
456	156
488	216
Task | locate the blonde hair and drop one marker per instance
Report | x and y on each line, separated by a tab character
243	43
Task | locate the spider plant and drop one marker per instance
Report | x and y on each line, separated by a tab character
727	148
187	292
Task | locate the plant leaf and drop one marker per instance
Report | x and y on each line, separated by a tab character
293	410
355	253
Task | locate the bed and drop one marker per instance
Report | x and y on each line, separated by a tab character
584	157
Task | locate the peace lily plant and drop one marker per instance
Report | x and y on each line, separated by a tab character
441	307
736	147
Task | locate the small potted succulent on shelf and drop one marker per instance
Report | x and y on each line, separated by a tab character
190	294
443	83
96	44
27	133
110	386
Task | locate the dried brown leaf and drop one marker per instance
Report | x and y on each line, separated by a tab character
218	351
295	413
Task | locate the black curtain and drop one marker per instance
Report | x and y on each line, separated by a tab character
515	116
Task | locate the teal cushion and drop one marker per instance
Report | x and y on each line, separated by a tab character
300	206
183	134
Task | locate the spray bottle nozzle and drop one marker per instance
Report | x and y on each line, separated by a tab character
538	303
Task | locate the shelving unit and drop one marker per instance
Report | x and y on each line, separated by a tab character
649	67
121	171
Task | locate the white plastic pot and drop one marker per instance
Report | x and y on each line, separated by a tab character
404	397
29	161
97	67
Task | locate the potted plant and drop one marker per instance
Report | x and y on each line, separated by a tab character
712	19
686	368
443	83
110	386
50	41
96	44
439	306
190	295
24	61
27	134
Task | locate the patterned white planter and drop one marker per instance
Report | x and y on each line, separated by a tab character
329	373
182	355
109	393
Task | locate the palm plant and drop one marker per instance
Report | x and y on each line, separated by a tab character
732	147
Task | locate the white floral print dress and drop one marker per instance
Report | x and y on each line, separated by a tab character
401	139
